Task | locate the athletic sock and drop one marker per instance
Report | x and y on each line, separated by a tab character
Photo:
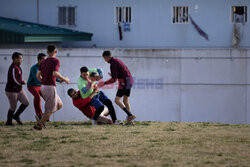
98	112
110	106
127	112
20	110
9	117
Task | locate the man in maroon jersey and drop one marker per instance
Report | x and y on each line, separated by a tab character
14	90
120	72
47	74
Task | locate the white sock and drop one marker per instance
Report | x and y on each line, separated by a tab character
94	122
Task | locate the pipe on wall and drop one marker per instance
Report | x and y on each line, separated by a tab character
37	14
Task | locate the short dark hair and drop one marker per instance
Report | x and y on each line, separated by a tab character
106	53
51	48
15	55
84	69
93	74
40	56
70	90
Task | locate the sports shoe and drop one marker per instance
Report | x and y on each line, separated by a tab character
37	127
118	122
130	118
94	122
17	118
38	119
9	124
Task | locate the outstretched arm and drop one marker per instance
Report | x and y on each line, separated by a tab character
113	74
62	78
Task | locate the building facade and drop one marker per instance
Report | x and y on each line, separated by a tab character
142	23
179	51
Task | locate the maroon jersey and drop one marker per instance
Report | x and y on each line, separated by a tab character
14	80
47	67
120	71
84	107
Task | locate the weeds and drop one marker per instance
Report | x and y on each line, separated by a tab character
144	144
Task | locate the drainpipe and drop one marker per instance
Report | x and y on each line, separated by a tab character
37	14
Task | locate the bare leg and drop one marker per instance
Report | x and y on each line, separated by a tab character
126	103
105	112
119	103
59	105
126	108
44	118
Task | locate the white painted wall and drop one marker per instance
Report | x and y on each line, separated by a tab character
210	85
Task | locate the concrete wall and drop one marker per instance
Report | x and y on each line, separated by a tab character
190	85
151	21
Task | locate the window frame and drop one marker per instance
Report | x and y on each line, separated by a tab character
68	21
174	14
245	15
123	14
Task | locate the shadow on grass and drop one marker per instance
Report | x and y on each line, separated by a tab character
27	161
55	123
143	123
62	123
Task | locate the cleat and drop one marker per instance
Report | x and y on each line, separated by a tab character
38	119
130	118
9	124
37	128
17	118
118	122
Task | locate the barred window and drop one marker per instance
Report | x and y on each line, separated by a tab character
123	14
239	14
71	15
62	16
66	16
180	14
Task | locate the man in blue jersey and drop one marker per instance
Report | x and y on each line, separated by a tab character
34	86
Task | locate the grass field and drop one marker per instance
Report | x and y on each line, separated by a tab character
144	144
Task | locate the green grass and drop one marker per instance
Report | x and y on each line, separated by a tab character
144	144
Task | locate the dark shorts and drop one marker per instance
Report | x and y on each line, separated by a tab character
124	91
97	100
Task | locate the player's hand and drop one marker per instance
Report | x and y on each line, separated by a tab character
94	86
96	90
66	80
88	79
97	78
24	82
100	84
92	79
109	73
